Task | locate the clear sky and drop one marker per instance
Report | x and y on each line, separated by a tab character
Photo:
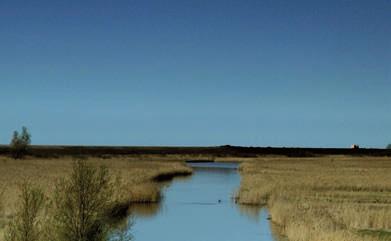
197	72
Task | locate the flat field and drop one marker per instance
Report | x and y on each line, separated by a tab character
322	199
135	178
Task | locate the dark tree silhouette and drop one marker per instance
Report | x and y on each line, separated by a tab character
20	143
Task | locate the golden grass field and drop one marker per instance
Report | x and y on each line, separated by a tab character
332	198
322	199
134	178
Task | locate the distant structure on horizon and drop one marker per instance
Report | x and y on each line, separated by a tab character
355	146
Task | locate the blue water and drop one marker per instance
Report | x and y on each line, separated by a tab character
201	208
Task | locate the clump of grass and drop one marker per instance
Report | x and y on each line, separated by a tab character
2	191
327	199
144	193
26	225
169	175
3	219
379	234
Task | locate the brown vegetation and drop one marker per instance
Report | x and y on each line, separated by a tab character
26	225
323	199
133	179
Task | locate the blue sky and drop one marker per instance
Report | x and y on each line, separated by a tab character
174	72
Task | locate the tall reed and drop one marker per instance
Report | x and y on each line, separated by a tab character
325	199
26	224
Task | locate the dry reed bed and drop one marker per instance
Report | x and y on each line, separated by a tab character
322	199
134	178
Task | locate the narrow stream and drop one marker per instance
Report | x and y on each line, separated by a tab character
200	208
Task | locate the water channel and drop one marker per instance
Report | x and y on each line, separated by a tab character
201	208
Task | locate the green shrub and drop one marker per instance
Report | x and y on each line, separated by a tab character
81	202
26	226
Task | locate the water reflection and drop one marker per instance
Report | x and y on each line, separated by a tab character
201	208
250	211
145	210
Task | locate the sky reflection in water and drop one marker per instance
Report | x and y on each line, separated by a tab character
200	208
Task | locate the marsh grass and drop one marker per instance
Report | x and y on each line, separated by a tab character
131	181
325	199
26	224
2	191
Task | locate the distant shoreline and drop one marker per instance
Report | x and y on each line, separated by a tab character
206	152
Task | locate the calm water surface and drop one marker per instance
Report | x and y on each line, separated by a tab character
200	208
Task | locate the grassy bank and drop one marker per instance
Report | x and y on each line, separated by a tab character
323	199
135	179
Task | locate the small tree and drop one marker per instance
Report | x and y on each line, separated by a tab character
20	143
26	225
81	203
388	146
25	136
